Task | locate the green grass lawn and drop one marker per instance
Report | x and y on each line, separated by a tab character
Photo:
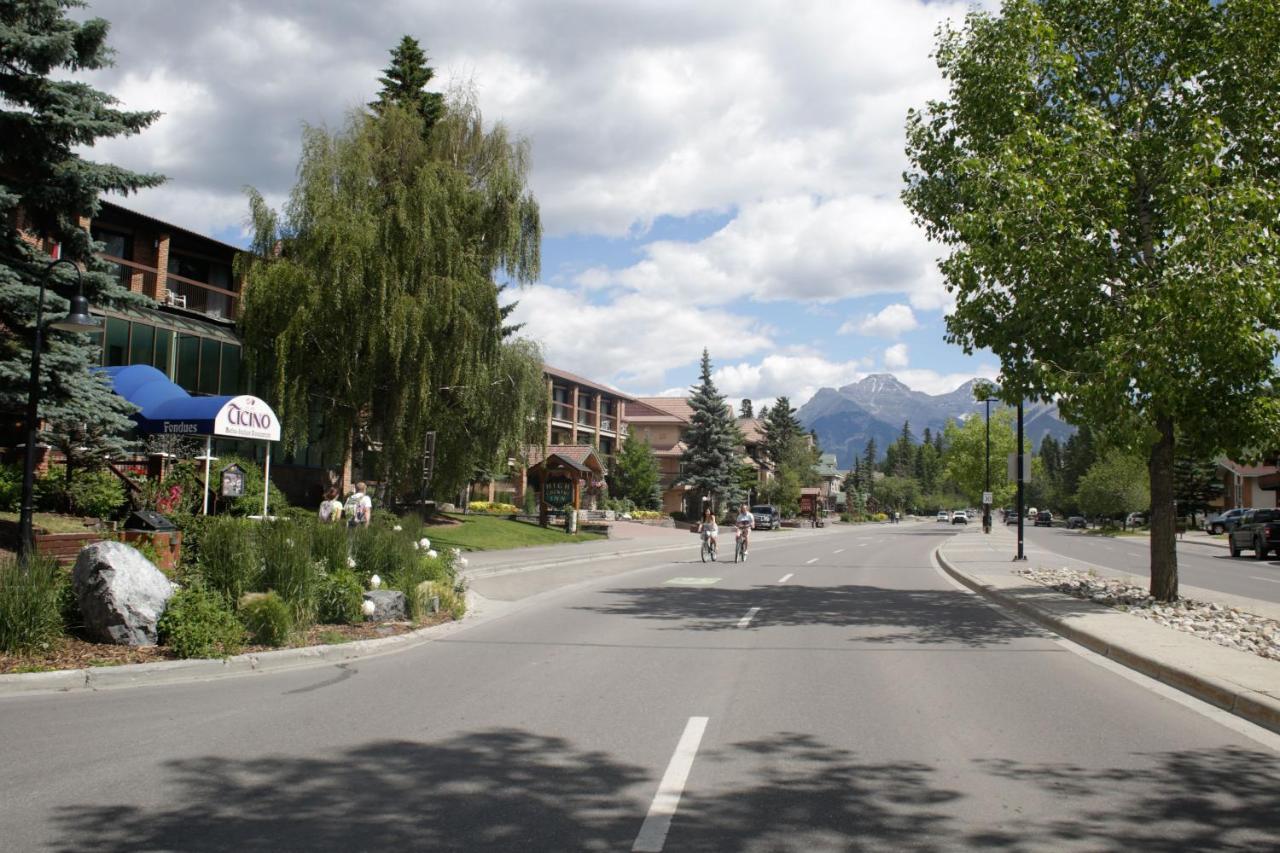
54	522
489	533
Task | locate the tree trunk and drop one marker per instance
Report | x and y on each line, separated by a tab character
1164	554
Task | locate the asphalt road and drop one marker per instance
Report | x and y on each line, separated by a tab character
1198	565
834	693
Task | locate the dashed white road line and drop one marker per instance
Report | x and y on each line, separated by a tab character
657	823
786	577
1269	580
746	620
838	551
811	562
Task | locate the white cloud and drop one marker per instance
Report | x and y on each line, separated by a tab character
891	322
633	340
895	357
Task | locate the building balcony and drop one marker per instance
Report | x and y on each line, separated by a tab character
174	290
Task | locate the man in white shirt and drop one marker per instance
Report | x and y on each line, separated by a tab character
744	522
359	507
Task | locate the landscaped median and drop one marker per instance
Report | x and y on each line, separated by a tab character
1239	681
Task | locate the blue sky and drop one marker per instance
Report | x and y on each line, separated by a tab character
721	174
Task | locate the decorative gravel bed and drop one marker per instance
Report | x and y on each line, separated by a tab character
1223	625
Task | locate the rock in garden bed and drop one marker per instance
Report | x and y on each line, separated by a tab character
121	594
1226	626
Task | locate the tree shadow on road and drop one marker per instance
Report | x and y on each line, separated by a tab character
902	615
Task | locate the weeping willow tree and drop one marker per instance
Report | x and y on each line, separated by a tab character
371	298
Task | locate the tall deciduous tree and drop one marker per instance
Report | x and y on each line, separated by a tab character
46	187
1114	486
404	82
710	459
373	298
966	457
1107	177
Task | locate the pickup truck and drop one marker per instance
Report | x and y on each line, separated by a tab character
1258	531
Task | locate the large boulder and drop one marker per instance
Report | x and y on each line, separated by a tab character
121	594
388	605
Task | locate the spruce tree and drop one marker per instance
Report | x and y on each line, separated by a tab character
47	187
780	427
710	459
404	82
869	456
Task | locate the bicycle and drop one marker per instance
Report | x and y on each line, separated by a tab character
708	549
740	548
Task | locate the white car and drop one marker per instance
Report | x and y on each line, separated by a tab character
944	516
958	517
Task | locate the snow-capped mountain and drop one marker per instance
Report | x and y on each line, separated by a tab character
877	405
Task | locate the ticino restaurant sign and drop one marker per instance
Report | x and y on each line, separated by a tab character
247	417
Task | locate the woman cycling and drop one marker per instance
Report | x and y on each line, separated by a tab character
708	528
744	522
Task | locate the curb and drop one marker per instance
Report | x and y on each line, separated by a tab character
1257	708
204	669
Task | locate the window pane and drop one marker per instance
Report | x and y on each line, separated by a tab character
117	342
188	361
230	382
142	344
209	362
161	361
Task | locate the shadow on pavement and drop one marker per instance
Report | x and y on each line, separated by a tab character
512	790
914	616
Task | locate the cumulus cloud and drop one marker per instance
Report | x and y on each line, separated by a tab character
895	357
890	322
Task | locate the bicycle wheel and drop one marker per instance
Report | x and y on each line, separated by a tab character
706	549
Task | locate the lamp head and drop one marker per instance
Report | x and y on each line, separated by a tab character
78	319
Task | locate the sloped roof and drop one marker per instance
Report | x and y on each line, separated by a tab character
677	407
1246	470
752	430
557	373
578	456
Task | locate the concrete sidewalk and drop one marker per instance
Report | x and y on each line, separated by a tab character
1236	681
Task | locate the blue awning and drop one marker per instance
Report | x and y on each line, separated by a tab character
164	407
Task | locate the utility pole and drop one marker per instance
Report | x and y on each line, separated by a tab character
1021	476
986	506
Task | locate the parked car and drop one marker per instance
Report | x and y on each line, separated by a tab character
1076	522
959	517
1135	519
767	517
1010	516
944	516
1044	518
1225	522
1258	531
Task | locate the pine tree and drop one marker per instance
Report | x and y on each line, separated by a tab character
48	187
763	414
710	459
404	82
869	456
745	410
635	474
780	428
1195	484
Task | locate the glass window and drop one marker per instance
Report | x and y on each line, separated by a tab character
117	342
188	361
209	363
142	344
230	382
161	361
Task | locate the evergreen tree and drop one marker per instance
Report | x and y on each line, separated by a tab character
779	428
710	459
904	458
46	187
745	410
504	312
938	444
1195	484
635	474
763	414
404	82
869	456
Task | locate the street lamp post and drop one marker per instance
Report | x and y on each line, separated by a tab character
986	507
78	319
1021	555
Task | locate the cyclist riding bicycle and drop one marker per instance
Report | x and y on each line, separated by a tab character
708	528
744	522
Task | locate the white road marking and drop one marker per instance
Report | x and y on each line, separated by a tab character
838	551
691	582
862	544
811	562
1269	580
786	577
746	620
657	823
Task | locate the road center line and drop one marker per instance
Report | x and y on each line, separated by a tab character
657	823
786	577
1270	580
746	620
811	562
838	551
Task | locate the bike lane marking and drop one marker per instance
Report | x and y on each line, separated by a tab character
811	562
786	577
657	823
746	620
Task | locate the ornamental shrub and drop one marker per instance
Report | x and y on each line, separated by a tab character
381	551
339	598
330	547
489	508
10	488
98	494
199	623
267	617
288	569
31	602
646	514
411	575
230	561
